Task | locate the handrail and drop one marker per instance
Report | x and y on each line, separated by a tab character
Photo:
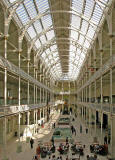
15	109
14	69
97	106
110	63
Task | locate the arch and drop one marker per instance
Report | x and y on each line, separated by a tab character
62	50
49	44
25	27
56	28
12	43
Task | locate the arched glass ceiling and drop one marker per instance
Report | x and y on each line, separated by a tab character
84	23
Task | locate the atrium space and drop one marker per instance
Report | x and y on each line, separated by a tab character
57	79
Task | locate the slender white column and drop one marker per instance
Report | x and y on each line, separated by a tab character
40	87
62	104
19	96
28	97
28	118
43	113
34	120
40	114
74	96
36	88
113	136
5	87
101	98
36	117
69	96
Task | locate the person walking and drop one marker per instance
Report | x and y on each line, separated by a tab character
105	140
75	131
31	143
86	130
66	140
54	125
38	151
80	128
52	141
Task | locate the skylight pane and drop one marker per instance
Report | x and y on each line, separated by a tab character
72	48
97	14
89	8
48	51
84	26
37	44
86	44
90	32
11	1
75	21
43	55
47	21
30	8
43	39
81	39
42	5
50	34
38	26
22	14
74	34
31	32
54	47
78	5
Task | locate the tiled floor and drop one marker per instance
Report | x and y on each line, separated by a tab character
45	135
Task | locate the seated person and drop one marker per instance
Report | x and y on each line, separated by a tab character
38	150
61	149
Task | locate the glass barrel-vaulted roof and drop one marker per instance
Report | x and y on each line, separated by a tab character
48	28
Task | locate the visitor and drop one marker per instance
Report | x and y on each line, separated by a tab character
53	157
35	158
66	140
52	141
52	149
86	130
67	158
31	143
75	115
60	149
72	129
105	140
87	157
38	150
80	128
75	131
54	125
95	156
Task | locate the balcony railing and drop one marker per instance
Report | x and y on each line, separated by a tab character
97	106
8	110
110	63
14	69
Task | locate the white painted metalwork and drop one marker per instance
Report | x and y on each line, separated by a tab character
37	21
